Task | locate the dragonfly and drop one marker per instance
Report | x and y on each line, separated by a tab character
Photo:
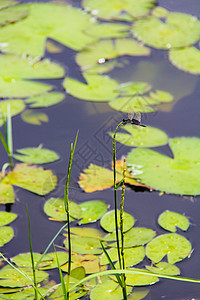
134	119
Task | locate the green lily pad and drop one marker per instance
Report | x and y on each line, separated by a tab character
160	12
141	136
86	231
6	218
169	220
118	10
16	107
132	256
6	235
108	221
140	279
91	211
45	100
11	15
31	178
107	49
164	269
178	175
85	245
34	117
136	236
134	88
179	30
175	246
36	155
12	278
29	35
7	194
108	30
55	208
108	290
6	3
99	88
186	59
138	293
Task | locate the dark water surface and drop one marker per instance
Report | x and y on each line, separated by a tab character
93	121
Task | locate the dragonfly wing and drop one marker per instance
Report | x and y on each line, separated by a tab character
137	116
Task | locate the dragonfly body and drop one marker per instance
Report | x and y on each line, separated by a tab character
134	120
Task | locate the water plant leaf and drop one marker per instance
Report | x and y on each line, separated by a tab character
55	208
118	10
86	231
85	245
6	218
11	15
178	175
179	30
29	35
132	256
169	220
45	100
175	246
186	59
31	178
108	30
6	235
139	279
36	155
91	211
34	117
17	69
108	290
9	277
16	107
164	268
7	194
134	88
6	3
108	221
51	47
99	88
136	236
107	49
141	136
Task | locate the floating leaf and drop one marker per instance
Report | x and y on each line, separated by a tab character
138	293
108	30
86	231
106	49
6	193
179	30
36	155
134	88
118	10
11	15
29	35
55	208
136	236
186	59
140	279
6	234
6	3
31	178
108	290
169	220
108	221
164	269
16	106
99	88
34	117
178	175
91	211
132	256
85	245
45	100
142	136
6	217
160	12
51	47
12	278
175	246
15	69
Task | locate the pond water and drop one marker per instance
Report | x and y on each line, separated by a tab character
94	120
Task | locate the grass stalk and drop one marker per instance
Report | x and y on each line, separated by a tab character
61	277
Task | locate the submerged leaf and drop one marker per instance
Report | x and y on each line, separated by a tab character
91	211
86	231
45	100
169	220
108	221
36	155
175	246
32	178
179	30
178	175
34	117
